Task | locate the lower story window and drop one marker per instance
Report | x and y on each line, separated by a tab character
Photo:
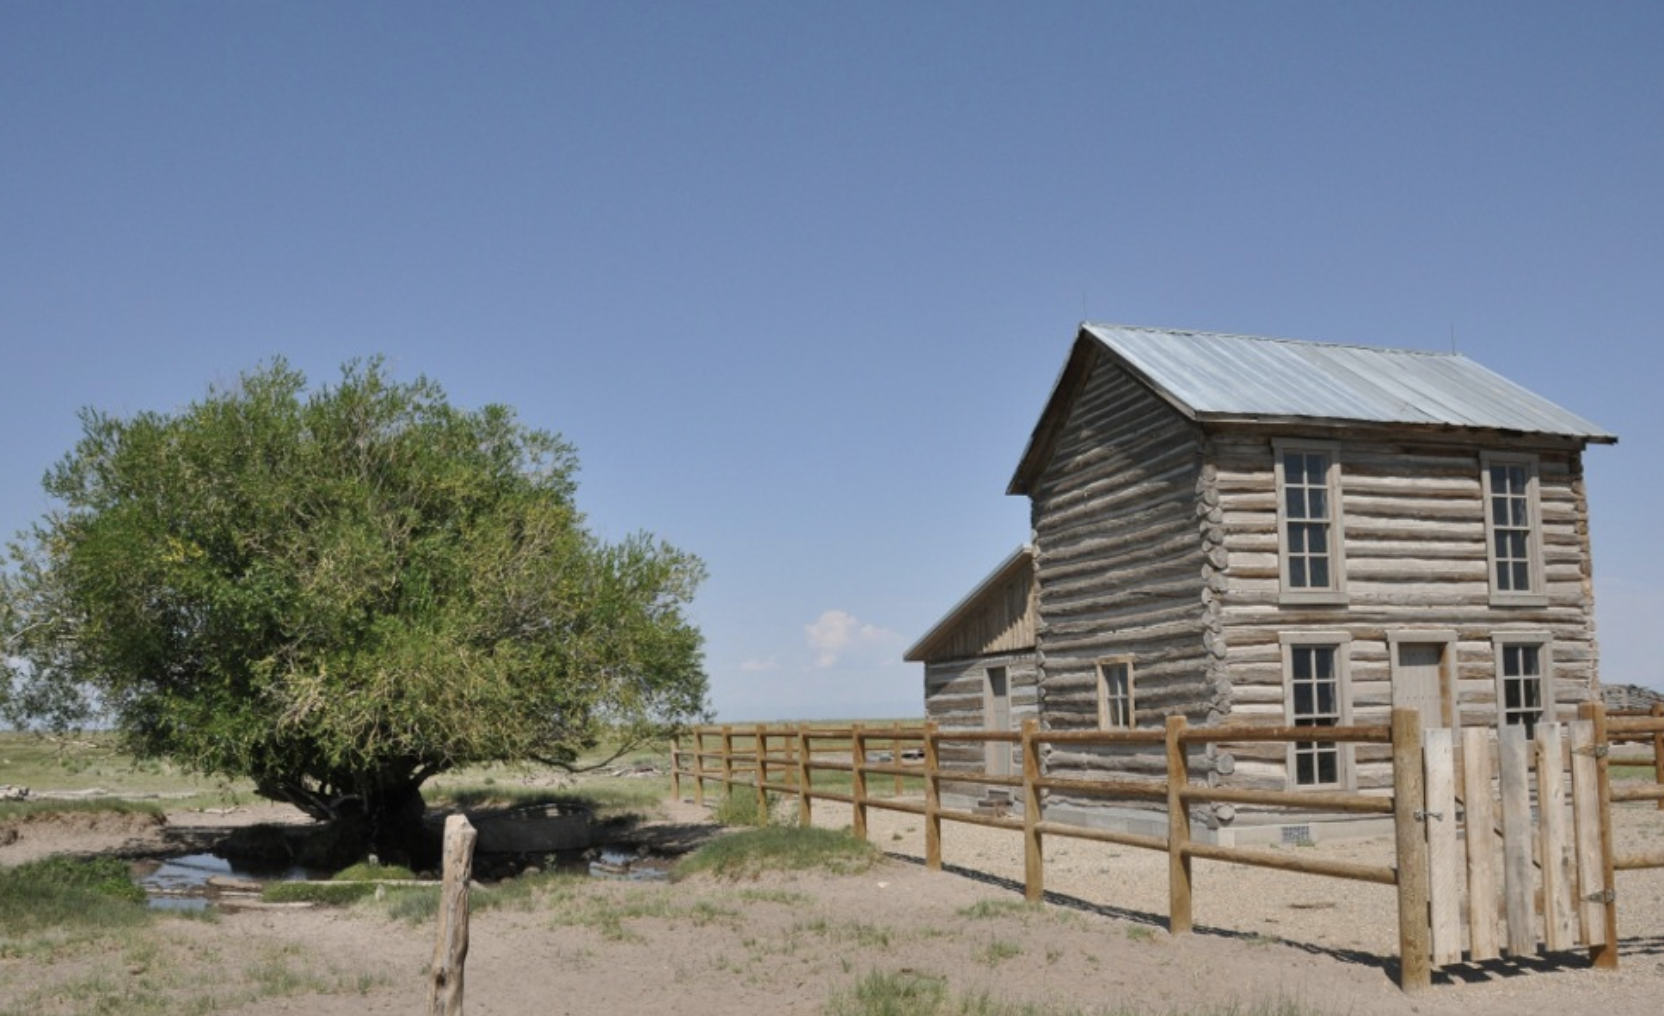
1523	691
1115	695
1316	697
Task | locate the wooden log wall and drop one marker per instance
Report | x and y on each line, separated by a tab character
1414	525
1119	565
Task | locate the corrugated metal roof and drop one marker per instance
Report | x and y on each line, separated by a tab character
1210	375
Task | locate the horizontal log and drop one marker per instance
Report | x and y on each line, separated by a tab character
1303	800
1103	836
1633	862
1624	793
1293	862
1380	734
1105	788
972	818
1152	736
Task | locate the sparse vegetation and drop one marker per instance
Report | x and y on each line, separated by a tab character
909	993
781	848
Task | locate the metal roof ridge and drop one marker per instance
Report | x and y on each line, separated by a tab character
1276	338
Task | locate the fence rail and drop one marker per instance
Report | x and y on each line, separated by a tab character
893	767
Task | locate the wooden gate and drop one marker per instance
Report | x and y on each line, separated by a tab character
1513	834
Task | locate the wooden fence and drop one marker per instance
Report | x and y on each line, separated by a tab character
1477	791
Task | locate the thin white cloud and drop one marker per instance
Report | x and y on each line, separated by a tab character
837	633
759	665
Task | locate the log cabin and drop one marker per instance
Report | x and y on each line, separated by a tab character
1246	530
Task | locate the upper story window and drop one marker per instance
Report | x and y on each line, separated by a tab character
1115	694
1512	531
1309	530
1317	693
1525	689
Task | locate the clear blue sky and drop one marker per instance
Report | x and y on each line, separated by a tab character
797	278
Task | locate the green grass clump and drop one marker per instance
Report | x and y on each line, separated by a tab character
742	808
780	848
48	903
359	882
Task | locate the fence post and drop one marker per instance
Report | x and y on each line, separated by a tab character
450	949
805	814
760	744
676	769
858	778
699	766
1605	956
727	763
932	799
1034	872
1178	832
895	758
1409	806
1658	752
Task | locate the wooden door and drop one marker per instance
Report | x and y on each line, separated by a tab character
1420	681
998	704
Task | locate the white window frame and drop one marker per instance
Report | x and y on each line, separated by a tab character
1117	707
1334	592
1543	644
1341	644
1535	592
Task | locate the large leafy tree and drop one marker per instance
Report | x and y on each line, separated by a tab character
339	594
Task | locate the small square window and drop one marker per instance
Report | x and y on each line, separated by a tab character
1115	708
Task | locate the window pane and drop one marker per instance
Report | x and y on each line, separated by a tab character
1319	573
1318	503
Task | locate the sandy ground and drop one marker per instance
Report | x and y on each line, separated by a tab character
786	944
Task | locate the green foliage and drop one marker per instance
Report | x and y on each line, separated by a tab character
784	848
339	594
101	876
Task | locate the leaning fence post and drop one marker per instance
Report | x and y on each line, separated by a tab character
858	778
1178	831
676	769
1409	807
1605	956
1034	873
932	799
450	949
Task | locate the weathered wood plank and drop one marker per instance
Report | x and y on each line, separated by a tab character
1591	886
1559	915
1481	844
1444	890
1518	884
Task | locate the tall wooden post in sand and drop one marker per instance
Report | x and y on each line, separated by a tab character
450	949
1409	799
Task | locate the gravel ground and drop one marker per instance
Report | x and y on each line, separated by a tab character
1353	921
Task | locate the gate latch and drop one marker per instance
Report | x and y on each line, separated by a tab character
1423	815
1593	750
1604	896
